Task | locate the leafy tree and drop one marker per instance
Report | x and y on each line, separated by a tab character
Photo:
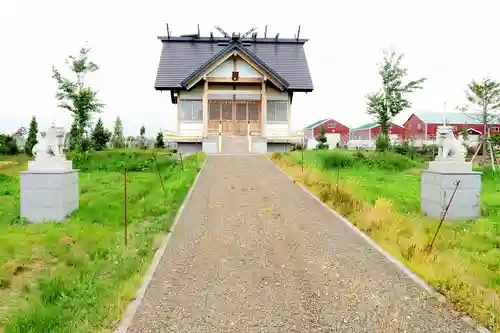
159	140
495	140
321	138
72	139
8	145
382	142
484	94
464	132
142	138
100	136
117	139
76	97
31	141
388	102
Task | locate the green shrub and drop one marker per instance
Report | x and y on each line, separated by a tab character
6	184
382	143
5	178
297	147
402	148
321	138
495	139
8	145
427	151
386	161
110	160
390	161
334	159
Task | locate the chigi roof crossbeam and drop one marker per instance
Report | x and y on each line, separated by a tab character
248	37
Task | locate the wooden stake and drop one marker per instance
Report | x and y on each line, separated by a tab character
338	178
492	156
443	216
477	151
125	205
302	152
159	174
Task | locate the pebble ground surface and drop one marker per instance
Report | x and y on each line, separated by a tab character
252	252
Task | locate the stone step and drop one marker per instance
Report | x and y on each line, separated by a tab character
235	144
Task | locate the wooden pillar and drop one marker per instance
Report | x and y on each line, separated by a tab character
178	113
205	109
264	109
247	122
289	115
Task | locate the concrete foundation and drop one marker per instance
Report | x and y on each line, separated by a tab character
279	147
189	147
210	147
437	188
48	196
259	146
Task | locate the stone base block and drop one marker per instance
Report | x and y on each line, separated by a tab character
450	167
50	164
280	147
259	146
210	147
189	147
49	196
437	189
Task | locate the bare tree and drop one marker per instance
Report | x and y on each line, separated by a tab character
483	99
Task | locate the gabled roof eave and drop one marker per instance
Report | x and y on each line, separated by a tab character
314	125
198	74
416	115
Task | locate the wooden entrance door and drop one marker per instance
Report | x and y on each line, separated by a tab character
234	116
214	116
241	118
254	117
227	117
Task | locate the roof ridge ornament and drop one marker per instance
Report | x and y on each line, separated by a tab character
235	36
225	34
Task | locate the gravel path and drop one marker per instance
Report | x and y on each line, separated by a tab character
253	253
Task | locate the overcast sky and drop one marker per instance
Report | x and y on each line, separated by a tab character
450	42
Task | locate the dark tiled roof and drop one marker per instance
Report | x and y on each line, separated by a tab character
182	56
239	47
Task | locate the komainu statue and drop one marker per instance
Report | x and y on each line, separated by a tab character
450	148
50	143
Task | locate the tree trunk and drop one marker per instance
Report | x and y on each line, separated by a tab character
485	131
384	128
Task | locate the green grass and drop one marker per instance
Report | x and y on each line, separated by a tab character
384	202
78	276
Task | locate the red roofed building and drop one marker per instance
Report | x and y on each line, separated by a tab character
423	125
335	131
371	130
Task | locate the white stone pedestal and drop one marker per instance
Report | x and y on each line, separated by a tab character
448	166
437	188
49	195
